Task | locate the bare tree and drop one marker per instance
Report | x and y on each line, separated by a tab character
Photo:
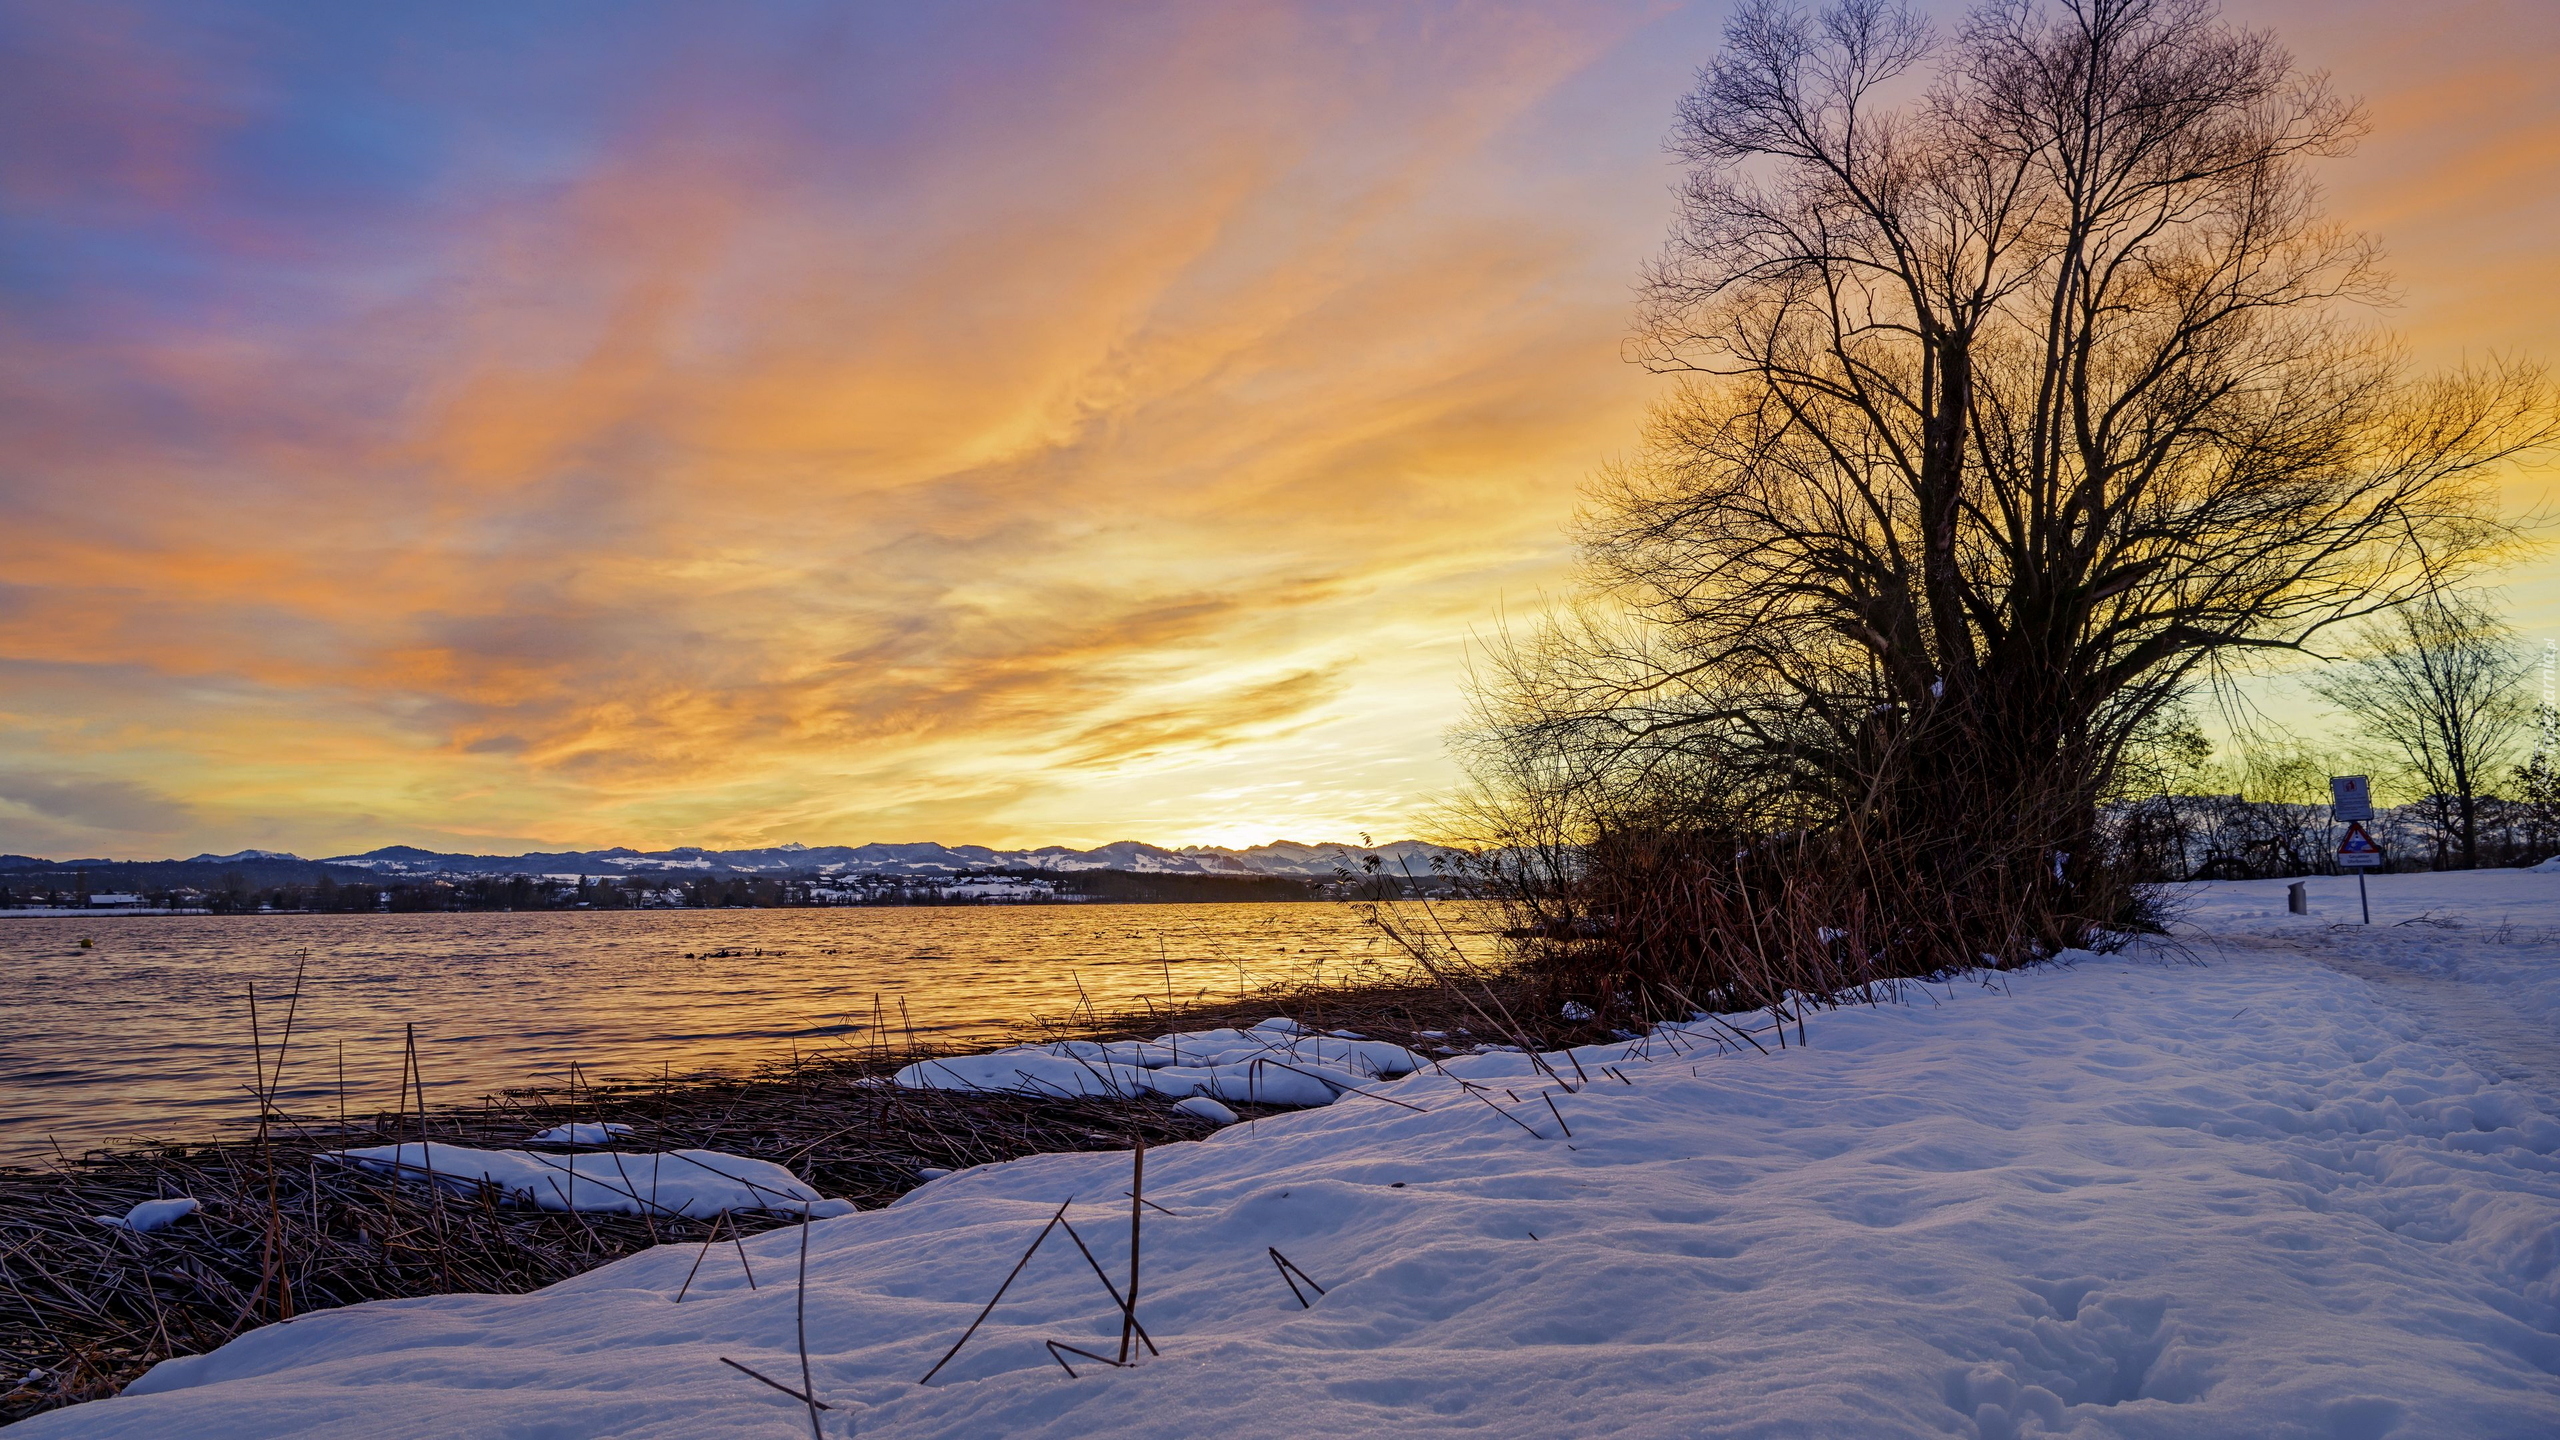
2438	685
2019	398
2269	814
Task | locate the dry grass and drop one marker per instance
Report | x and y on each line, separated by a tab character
284	1231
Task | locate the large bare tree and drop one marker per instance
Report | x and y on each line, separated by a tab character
2022	392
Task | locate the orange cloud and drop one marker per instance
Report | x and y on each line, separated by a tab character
1076	433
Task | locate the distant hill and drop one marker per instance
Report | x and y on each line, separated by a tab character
254	870
1286	858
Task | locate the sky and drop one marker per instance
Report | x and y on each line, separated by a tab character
489	427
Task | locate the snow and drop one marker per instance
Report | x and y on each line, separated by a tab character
2259	1182
152	1214
1274	1063
582	1132
1207	1109
2470	955
679	1182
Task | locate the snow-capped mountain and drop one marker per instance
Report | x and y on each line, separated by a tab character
1281	857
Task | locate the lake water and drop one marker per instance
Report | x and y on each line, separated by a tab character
147	1033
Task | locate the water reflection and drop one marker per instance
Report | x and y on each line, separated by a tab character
149	1032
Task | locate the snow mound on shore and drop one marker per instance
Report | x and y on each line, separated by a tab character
582	1132
1274	1063
693	1183
152	1215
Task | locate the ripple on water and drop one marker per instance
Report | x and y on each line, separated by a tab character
149	1032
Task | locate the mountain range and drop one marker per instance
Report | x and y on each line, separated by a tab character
1282	857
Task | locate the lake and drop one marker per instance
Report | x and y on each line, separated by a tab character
147	1033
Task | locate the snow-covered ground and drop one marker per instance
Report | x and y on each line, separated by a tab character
2473	959
2288	1182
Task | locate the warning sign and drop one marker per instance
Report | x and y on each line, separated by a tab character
2357	851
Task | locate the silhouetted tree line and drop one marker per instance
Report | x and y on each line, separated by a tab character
2435	710
2229	837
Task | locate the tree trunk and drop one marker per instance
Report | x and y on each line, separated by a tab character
1941	491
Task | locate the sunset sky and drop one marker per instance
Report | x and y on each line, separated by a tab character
487	426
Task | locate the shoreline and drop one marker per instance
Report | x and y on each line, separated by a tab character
116	1303
966	902
283	1233
145	1034
58	912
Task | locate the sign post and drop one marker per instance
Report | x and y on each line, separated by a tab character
2351	800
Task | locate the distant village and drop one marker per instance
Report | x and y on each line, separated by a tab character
403	879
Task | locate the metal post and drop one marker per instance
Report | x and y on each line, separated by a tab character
1137	1197
2361	898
